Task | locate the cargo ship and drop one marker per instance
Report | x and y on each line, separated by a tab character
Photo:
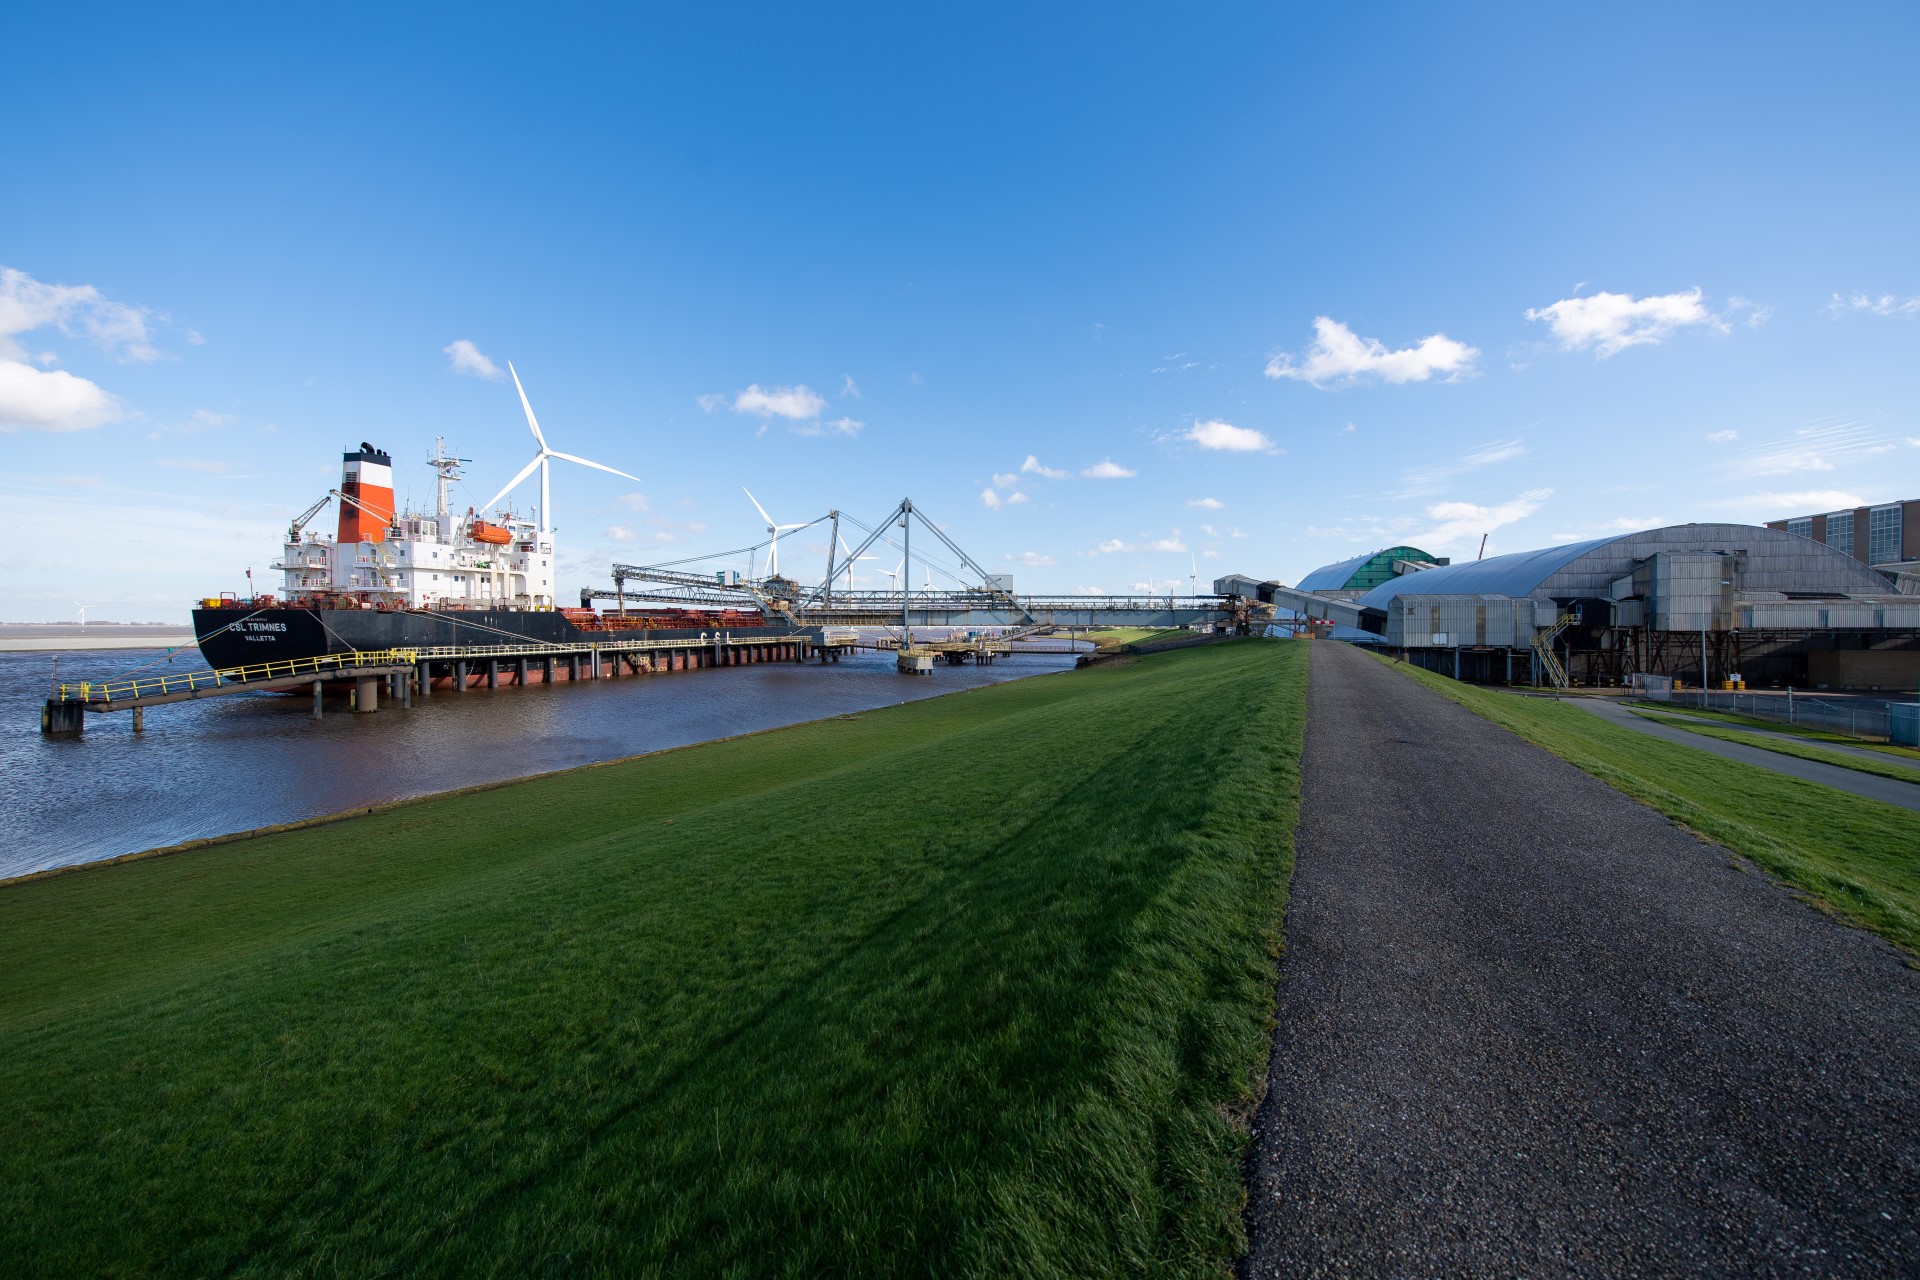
394	579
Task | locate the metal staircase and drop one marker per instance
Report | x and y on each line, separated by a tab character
1550	664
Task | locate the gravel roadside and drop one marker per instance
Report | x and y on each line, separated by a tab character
1529	1027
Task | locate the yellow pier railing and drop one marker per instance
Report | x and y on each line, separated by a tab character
190	681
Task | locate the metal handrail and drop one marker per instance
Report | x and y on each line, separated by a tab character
253	673
188	682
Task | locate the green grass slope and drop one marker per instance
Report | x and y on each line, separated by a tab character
1878	765
966	987
1857	858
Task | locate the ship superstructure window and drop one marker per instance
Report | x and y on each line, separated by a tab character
1801	527
1883	535
1840	531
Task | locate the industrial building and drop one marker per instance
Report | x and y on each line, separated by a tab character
1696	602
1884	537
1351	579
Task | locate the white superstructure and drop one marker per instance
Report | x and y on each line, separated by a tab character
380	557
411	559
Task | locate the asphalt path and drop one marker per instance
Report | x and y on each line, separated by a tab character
1527	1026
1780	735
1872	786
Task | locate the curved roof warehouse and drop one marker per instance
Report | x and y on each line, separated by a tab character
1764	601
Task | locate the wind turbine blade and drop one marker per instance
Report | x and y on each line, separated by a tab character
786	528
756	504
597	466
525	404
525	471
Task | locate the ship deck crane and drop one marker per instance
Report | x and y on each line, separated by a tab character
300	521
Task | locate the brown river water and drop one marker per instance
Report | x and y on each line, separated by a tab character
251	760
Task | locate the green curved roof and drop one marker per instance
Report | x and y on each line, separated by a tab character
1363	573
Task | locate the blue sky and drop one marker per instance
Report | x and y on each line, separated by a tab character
1355	275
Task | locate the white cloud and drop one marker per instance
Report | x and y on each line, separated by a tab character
1238	533
1757	314
633	502
1339	356
831	427
1348	428
619	533
54	400
848	387
1119	546
1460	523
1208	504
1031	559
1418	481
464	357
1214	434
1017	498
1773	505
117	328
794	403
1209	531
711	401
1621	524
991	500
1032	467
210	466
1005	479
1822	445
1612	322
44	399
1723	437
1108	469
1885	304
208	418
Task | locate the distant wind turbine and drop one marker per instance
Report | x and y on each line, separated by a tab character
847	551
83	611
774	530
541	459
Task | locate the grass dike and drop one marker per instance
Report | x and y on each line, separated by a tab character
975	985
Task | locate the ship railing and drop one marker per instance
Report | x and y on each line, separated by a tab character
620	640
252	673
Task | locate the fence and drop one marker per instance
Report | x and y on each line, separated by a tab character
1861	719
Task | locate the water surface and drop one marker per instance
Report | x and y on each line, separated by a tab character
250	760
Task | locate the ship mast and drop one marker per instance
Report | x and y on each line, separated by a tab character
448	469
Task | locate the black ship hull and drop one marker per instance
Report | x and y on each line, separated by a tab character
242	637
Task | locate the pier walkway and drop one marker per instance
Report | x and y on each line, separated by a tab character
407	673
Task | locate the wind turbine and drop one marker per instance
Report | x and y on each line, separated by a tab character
83	611
1193	583
847	551
893	574
774	530
541	459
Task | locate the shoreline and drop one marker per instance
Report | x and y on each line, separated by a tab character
386	806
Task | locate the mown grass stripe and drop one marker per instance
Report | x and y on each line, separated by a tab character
735	1011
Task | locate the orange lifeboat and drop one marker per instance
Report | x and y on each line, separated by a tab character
492	534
